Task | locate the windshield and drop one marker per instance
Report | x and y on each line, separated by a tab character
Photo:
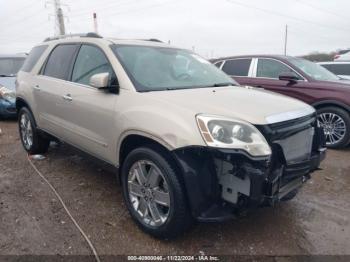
10	66
313	70
161	68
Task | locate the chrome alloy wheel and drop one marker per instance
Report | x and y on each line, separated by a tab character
334	127
149	193
26	131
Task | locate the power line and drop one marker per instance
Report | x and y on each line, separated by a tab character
18	10
323	10
131	10
109	5
123	12
284	15
22	19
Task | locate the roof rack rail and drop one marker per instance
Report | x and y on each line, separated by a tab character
90	34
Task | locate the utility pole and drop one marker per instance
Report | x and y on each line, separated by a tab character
95	23
59	17
285	40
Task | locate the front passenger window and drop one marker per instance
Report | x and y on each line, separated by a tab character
91	60
270	68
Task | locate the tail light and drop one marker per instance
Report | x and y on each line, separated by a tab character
336	56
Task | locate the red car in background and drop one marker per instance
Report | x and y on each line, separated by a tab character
301	79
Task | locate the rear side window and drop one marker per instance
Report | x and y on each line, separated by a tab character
91	60
270	68
338	69
218	64
33	57
59	64
237	67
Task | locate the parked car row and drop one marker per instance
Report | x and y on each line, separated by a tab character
189	142
303	80
9	67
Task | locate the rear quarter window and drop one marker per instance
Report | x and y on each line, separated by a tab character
237	67
218	64
33	58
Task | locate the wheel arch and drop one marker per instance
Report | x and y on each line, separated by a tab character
334	103
135	140
20	103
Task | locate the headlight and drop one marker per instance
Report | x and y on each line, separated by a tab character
6	93
230	133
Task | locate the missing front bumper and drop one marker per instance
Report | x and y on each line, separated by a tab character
221	184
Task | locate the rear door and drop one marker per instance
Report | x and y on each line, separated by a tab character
240	69
51	88
91	118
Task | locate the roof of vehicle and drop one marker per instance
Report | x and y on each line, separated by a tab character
21	55
281	57
97	38
334	62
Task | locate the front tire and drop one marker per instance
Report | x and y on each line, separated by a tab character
154	194
32	141
290	195
336	124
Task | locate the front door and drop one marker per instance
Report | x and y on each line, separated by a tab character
267	77
91	112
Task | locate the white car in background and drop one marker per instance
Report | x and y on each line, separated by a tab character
341	69
342	55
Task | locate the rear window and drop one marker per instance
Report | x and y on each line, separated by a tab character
59	64
33	57
338	69
237	67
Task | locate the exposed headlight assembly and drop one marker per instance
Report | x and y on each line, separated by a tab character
223	132
6	93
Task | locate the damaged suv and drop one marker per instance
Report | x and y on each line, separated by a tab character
189	143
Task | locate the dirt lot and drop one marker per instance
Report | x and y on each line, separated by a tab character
34	222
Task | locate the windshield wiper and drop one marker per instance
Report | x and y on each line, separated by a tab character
223	84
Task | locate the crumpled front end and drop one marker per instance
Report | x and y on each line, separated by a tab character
222	183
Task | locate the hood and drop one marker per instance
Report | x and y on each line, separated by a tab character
255	106
341	83
8	82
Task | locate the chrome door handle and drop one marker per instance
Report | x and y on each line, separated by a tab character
67	97
36	87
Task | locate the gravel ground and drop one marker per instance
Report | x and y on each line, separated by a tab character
34	222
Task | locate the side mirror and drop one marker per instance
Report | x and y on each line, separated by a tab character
100	80
288	76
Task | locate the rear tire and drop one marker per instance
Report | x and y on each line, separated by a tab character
336	124
32	141
175	214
